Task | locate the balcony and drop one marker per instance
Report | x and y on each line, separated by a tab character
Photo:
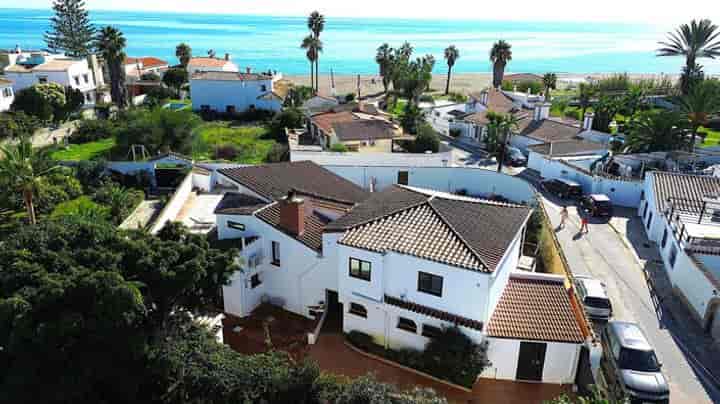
251	253
695	224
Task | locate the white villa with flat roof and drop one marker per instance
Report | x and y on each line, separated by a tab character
231	92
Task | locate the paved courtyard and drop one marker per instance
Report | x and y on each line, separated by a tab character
688	356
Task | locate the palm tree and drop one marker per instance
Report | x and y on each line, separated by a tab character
316	24
656	131
111	44
585	94
501	127
211	53
452	54
694	41
550	83
384	59
313	46
184	53
21	169
500	55
698	105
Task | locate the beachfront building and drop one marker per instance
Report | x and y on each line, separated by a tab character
228	92
356	126
143	73
7	95
202	64
82	74
680	214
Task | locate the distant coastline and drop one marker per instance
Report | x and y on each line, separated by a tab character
264	42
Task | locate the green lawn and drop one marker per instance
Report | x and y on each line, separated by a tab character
712	138
77	205
85	151
250	143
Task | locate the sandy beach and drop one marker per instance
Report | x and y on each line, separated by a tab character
464	83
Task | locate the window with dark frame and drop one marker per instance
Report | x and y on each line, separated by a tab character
645	211
673	256
236	225
360	269
664	239
255	281
406	324
430	331
358	310
649	222
429	283
403	178
276	253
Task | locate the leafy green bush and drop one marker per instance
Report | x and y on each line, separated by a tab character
339	148
57	187
452	355
426	140
455	132
120	201
82	207
278	152
90	130
158	129
350	97
427	98
457	97
289	118
158	96
226	152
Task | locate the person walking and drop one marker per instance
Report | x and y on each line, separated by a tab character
584	228
563	216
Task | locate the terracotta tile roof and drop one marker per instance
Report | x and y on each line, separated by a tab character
379	204
207	62
439	314
274	181
326	120
466	233
234	203
365	129
547	130
536	309
499	102
314	226
683	186
229	76
568	148
147	62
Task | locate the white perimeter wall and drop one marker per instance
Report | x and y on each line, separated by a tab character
561	360
446	179
174	205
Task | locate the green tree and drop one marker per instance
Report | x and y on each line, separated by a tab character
42	101
549	83
702	101
384	59
14	125
175	78
316	25
454	354
111	44
586	92
657	131
605	110
426	140
500	130
500	55
21	170
158	129
313	47
184	53
70	29
452	54
696	40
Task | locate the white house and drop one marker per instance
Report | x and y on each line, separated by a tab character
81	74
211	65
680	213
7	95
232	92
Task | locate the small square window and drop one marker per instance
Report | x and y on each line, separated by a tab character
42	79
360	269
431	331
429	283
358	310
276	253
86	78
236	225
255	281
664	239
406	324
673	256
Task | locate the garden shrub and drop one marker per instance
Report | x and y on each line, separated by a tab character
452	355
289	118
82	207
360	339
455	132
426	140
427	98
55	188
278	153
226	152
457	97
350	97
339	148
91	130
573	114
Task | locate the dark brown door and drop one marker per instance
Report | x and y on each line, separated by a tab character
531	361
403	177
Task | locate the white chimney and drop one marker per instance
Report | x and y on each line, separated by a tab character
588	121
227	57
541	111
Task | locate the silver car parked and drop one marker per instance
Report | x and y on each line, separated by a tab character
593	294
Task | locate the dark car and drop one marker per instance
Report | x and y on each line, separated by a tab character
563	188
514	157
597	205
630	366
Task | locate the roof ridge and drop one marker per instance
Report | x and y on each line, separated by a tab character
459	198
392	213
458	235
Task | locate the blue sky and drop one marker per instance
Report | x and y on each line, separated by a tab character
647	11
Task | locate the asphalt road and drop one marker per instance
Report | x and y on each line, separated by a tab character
602	254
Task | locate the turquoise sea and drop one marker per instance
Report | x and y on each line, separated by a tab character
273	42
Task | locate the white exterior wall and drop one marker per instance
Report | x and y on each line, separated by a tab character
499	278
218	94
561	360
6	100
65	78
446	179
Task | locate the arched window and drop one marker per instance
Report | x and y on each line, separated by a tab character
664	239
358	310
406	324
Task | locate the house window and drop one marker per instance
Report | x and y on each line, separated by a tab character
255	281
7	92
263	88
642	195
86	78
77	80
358	310
664	239
673	256
403	177
429	283
88	97
236	225
276	253
406	324
360	269
42	79
645	211
431	331
649	222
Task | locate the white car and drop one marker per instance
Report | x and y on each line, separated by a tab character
593	294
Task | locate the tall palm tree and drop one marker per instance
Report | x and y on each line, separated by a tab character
184	53
550	83
384	58
452	54
500	55
656	131
21	169
313	47
696	40
698	105
501	127
316	24
111	44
